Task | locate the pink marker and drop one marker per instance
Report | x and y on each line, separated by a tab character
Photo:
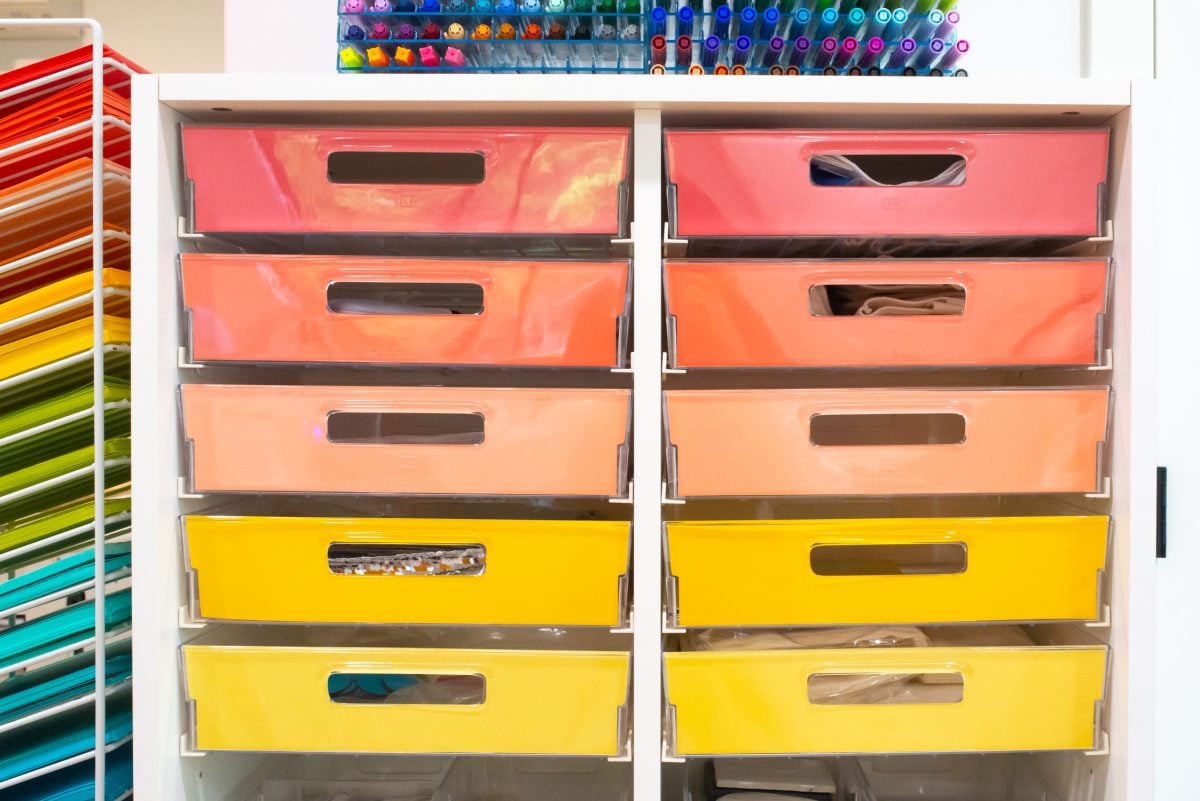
354	6
869	54
429	57
381	6
380	31
846	51
953	54
947	27
455	57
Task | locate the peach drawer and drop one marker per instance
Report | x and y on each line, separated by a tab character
409	181
885	441
407	440
759	183
1025	312
323	309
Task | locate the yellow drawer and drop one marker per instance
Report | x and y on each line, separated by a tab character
1012	699
253	698
845	572
521	572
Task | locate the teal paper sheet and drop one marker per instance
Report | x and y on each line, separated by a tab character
54	578
77	783
59	682
44	635
46	742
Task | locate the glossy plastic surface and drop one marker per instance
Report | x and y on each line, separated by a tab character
756	183
554	181
1054	560
536	572
534	441
247	308
277	699
760	314
759	442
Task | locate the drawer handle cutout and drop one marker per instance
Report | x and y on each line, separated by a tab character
887	169
884	689
909	559
886	300
405	428
392	168
399	298
386	689
934	428
351	559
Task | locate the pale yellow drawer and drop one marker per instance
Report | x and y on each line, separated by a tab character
845	572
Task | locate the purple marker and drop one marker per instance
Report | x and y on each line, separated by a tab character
741	50
406	31
953	54
683	52
800	51
846	51
829	46
712	47
379	31
929	54
774	49
355	33
381	6
944	30
902	53
869	54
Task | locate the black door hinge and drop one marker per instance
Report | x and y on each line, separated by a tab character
1160	515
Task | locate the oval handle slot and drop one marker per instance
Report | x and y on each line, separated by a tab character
407	688
353	559
403	298
392	167
405	428
885	688
926	428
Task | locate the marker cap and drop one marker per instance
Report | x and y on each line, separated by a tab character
723	14
803	16
431	31
686	14
829	16
776	69
507	31
712	43
883	16
557	31
430	6
771	15
857	16
429	56
829	44
908	45
899	16
875	45
456	31
353	6
582	33
695	69
721	70
351	58
532	31
483	6
406	31
482	32
355	32
606	32
793	70
739	69
658	15
455	57
749	15
531	6
658	69
405	56
776	44
742	43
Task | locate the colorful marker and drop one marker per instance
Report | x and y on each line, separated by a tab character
406	31
853	22
429	56
683	25
695	69
456	31
658	49
631	33
745	22
846	52
405	6
741	49
532	31
379	31
800	22
381	6
831	70
766	26
776	69
482	31
455	57
902	53
431	31
947	27
351	58
457	6
405	57
879	23
936	73
854	71
683	52
828	48
658	21
557	31
953	54
658	69
556	6
430	7
633	7
507	9
354	7
874	71
800	51
721	19
355	33
895	28
793	70
827	22
927	26
721	69
774	50
708	56
583	33
739	69
507	31
869	54
929	54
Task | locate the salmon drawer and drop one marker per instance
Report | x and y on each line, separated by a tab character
868	571
260	698
409	181
408	570
770	183
1031	698
407	440
323	309
781	442
886	313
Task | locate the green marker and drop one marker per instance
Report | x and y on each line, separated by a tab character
607	7
631	6
581	6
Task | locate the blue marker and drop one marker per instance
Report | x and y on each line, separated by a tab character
927	26
431	7
708	57
827	23
405	6
530	7
800	22
879	23
895	28
457	6
658	21
721	19
507	9
741	49
766	28
683	27
746	22
356	33
853	23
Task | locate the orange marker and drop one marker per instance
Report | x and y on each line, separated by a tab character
695	69
507	31
405	57
482	32
532	31
793	70
739	69
776	69
377	58
721	70
658	69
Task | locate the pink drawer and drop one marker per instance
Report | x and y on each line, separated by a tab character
1014	183
502	181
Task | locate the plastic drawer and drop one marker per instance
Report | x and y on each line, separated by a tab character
265	698
1003	441
1040	697
868	571
407	181
1024	312
567	442
526	572
325	309
758	183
